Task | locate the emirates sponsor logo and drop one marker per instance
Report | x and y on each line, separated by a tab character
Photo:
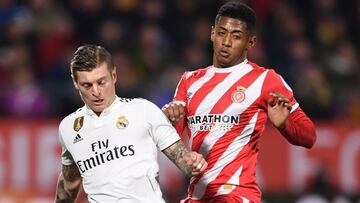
103	154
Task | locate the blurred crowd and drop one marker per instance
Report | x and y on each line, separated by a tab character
314	45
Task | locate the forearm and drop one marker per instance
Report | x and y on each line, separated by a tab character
299	129
176	154
63	195
68	186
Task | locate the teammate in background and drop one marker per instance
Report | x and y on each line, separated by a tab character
225	108
110	145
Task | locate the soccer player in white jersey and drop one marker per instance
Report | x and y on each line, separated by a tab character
110	145
225	107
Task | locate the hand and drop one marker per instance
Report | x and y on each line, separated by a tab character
196	161
278	110
174	111
190	163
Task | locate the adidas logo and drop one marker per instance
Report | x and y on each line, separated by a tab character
78	138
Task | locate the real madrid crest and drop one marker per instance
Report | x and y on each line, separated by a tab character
238	95
78	123
122	122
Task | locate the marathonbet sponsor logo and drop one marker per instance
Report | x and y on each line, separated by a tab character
211	122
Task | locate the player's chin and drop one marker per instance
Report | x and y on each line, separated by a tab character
97	108
224	62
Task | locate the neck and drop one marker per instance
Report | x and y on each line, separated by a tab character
220	65
98	113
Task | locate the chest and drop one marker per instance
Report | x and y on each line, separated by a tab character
119	134
231	97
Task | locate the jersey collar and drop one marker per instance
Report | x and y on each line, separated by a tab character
229	69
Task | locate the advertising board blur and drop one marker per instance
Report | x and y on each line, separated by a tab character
30	161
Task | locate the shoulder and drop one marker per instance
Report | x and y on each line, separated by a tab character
195	73
129	102
132	101
270	72
274	77
275	82
125	100
136	102
69	120
258	68
146	103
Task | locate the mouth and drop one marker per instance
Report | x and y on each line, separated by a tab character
98	102
224	53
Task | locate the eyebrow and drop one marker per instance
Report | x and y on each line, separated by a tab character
86	83
235	31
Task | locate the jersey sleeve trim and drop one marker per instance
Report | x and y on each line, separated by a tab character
163	133
294	107
66	157
180	102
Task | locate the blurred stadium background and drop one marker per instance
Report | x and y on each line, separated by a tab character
313	44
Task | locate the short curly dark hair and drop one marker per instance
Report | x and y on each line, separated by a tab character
87	57
238	10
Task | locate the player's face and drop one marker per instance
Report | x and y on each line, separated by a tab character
231	41
96	87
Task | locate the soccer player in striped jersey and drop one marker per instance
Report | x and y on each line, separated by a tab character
225	106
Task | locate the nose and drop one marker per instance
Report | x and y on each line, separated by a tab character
227	40
95	90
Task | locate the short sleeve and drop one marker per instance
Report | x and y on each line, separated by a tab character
180	92
66	157
161	130
180	97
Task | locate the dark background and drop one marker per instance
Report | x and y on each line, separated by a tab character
314	45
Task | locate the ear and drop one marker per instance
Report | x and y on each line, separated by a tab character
74	82
212	35
251	42
113	74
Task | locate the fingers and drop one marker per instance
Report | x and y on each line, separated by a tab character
200	168
272	102
165	110
174	111
280	100
198	163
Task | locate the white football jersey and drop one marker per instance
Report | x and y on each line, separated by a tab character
116	152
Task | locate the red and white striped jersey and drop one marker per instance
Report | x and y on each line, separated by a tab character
226	112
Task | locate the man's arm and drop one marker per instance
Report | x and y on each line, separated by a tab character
190	163
296	127
69	184
299	129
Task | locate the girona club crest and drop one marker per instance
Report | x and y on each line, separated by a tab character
238	95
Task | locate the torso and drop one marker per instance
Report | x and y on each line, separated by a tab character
115	154
226	114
